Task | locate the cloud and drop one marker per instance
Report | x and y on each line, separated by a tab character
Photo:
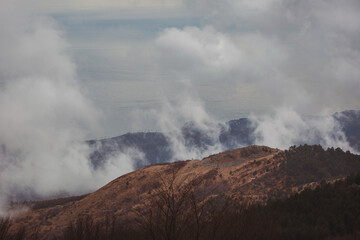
300	54
198	48
290	53
191	132
208	55
44	115
300	46
284	51
91	5
285	127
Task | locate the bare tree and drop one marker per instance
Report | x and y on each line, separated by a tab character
176	210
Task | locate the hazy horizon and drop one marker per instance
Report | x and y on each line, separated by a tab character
236	58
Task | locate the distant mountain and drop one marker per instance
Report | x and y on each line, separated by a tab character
154	145
188	192
157	147
350	123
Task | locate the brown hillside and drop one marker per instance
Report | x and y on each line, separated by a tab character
247	174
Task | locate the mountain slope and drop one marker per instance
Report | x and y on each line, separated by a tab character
251	174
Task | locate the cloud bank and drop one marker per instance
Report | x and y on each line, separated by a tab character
300	54
285	127
191	132
44	115
289	51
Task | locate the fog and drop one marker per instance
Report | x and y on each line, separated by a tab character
44	117
284	126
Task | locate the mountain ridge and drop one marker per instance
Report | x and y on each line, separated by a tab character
157	147
253	174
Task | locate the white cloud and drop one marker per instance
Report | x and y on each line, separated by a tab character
199	47
301	54
289	50
205	54
44	115
186	110
284	127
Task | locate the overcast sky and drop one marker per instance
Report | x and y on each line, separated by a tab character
236	57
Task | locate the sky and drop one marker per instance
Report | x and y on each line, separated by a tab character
236	57
90	69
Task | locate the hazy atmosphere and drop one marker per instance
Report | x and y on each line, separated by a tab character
78	70
235	57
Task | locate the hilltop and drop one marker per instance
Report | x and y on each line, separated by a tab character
254	174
